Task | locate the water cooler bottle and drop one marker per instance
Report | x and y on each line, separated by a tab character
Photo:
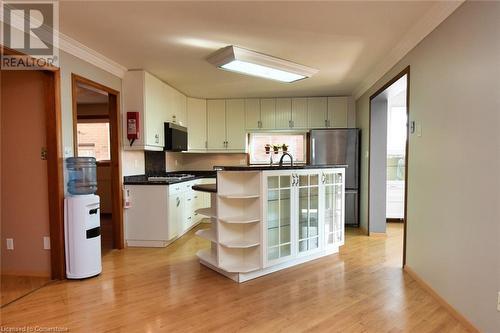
82	220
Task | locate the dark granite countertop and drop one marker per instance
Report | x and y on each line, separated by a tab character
268	167
210	188
143	179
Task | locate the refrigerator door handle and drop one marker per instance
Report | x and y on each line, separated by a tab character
313	150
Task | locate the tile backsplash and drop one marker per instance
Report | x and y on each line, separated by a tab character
202	161
154	162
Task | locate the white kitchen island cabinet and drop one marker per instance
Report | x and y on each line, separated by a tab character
159	214
267	219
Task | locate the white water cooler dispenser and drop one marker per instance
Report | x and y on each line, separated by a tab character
82	227
83	236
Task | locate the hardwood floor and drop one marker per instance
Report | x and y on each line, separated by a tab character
15	286
362	289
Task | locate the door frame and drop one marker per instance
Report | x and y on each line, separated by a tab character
115	141
404	72
55	171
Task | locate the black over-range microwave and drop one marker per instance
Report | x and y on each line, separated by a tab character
176	137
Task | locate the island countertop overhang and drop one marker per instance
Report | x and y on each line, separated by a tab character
270	168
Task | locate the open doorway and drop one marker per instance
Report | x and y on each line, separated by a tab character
31	176
388	156
96	134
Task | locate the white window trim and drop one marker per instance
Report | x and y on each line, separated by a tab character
303	133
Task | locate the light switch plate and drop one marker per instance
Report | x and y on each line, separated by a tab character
419	129
10	243
498	302
46	243
68	151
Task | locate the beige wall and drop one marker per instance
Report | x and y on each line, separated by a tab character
454	167
25	211
132	162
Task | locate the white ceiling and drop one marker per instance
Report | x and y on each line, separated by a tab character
344	40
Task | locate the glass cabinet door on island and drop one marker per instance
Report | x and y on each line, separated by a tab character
308	212
279	217
333	208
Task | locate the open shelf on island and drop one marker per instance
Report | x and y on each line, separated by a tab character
239	244
210	212
240	196
206	255
238	185
239	219
208	234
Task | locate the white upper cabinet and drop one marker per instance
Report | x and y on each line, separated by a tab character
155	111
338	111
169	98
216	124
283	113
143	93
197	124
180	104
299	113
156	103
317	112
235	124
252	113
268	113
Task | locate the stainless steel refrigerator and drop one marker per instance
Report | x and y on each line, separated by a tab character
340	146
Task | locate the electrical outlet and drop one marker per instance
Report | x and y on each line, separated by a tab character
10	243
498	302
419	129
176	163
243	162
46	243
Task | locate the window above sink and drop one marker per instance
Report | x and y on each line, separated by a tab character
295	142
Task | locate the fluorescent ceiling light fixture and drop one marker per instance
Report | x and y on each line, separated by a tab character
248	62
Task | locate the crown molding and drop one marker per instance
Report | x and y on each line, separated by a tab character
72	46
79	50
434	16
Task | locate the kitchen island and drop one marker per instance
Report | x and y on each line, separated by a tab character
265	219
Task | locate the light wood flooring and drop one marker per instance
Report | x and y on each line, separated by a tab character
13	287
362	289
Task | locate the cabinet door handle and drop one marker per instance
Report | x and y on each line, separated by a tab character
326	122
178	201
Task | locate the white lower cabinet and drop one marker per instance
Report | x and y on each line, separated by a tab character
161	213
303	213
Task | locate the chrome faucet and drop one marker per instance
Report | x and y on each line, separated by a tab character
286	154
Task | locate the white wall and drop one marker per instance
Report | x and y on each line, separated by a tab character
454	167
378	165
